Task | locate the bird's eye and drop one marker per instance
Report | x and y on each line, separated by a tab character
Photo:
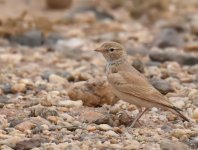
111	49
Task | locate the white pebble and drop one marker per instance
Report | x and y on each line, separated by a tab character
70	103
105	127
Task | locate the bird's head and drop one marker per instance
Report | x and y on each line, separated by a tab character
112	51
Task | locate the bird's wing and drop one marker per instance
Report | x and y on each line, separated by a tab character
137	86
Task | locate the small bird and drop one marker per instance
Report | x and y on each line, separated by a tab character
130	85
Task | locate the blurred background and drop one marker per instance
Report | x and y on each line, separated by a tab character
53	90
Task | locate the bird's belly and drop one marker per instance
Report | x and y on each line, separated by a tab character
132	99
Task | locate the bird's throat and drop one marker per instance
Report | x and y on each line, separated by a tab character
117	61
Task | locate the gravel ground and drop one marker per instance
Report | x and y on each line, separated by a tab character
53	91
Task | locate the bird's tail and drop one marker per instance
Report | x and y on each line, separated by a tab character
177	110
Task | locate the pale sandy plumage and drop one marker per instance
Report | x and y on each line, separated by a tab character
129	84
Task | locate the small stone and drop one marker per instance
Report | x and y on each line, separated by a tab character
58	80
26	125
170	145
5	147
193	94
91	128
70	103
161	85
12	141
104	127
194	24
115	146
3	122
50	100
67	117
169	37
134	145
111	133
30	38
29	144
44	112
171	117
7	88
53	119
125	119
58	4
52	39
1	92
4	99
195	114
18	87
178	133
194	142
46	74
94	92
138	65
178	101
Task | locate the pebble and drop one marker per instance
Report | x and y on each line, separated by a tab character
105	127
111	133
173	145
29	144
7	88
178	101
18	87
195	114
3	122
91	128
58	80
138	65
178	133
94	92
5	147
172	55
193	94
31	38
161	85
169	37
67	117
12	141
26	125
59	4
134	145
70	103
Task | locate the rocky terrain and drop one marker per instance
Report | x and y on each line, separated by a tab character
53	91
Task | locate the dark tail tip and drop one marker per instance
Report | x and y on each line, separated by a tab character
180	114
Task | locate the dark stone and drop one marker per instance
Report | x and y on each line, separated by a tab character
161	85
29	144
102	120
46	74
52	39
45	112
67	75
100	14
15	122
41	87
183	59
138	65
30	38
169	37
189	59
125	119
193	143
7	88
3	99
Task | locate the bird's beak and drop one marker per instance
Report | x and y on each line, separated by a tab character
99	50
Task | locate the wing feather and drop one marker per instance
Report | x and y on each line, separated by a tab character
137	86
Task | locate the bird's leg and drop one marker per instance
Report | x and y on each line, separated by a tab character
138	117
